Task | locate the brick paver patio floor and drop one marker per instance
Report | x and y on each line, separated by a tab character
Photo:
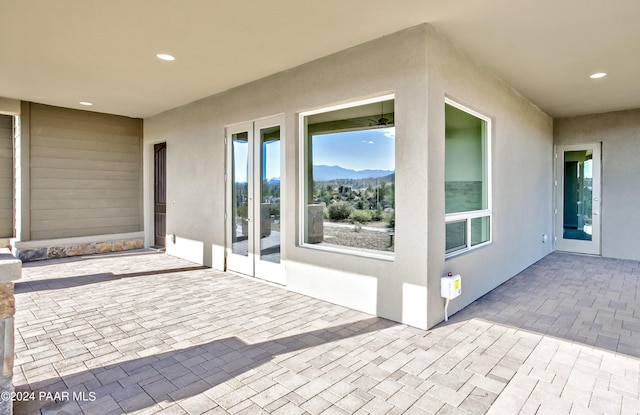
147	333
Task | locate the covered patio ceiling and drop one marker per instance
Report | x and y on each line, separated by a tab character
104	52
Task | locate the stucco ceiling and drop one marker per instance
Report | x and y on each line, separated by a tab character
65	51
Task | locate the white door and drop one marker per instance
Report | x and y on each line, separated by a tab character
254	175
578	198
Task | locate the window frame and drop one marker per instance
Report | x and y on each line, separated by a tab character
302	172
468	216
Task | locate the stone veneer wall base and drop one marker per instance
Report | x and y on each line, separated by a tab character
62	251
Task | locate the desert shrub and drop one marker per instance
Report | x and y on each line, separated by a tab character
390	217
377	215
361	216
340	210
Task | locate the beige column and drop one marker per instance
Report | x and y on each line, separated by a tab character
10	271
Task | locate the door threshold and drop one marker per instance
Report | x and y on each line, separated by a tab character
577	253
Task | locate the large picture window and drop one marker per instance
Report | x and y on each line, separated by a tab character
349	177
467	179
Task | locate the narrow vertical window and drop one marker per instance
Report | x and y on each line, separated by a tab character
349	177
467	179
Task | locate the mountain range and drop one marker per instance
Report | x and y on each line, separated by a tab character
322	173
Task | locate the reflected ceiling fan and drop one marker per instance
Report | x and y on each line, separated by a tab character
382	121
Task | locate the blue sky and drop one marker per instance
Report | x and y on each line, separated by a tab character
588	167
240	149
356	150
272	153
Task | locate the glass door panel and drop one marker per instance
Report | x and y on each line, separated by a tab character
270	195
578	194
239	199
578	198
240	194
268	153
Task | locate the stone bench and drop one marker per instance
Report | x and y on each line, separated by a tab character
10	271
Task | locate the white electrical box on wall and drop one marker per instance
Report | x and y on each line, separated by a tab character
450	286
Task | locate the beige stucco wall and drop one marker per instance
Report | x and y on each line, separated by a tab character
522	147
196	160
394	64
619	133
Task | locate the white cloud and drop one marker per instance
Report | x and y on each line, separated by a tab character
389	132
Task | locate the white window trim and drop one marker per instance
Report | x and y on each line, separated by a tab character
468	216
361	252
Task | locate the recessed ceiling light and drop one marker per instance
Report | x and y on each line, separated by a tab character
85	103
165	57
598	75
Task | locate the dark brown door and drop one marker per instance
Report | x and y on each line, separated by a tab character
160	198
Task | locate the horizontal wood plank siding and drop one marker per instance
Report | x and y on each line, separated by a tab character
86	173
6	176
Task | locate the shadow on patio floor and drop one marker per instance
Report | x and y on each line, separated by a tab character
80	280
133	385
